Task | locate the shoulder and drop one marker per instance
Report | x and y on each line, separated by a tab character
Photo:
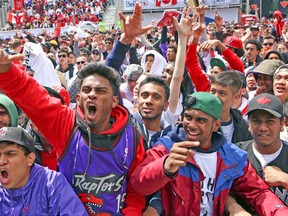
245	145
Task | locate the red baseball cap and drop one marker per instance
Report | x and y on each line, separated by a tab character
234	42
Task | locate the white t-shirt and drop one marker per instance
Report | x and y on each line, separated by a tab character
266	158
228	129
207	163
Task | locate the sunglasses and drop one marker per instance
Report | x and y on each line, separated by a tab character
131	80
96	53
266	44
80	62
62	56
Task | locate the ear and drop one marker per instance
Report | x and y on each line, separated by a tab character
115	101
31	158
282	124
216	125
237	96
78	99
166	105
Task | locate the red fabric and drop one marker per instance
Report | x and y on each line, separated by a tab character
199	78
18	4
233	60
49	159
48	112
279	23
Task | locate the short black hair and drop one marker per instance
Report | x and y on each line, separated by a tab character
228	78
255	42
102	70
157	80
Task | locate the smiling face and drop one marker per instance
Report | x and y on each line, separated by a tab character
15	166
265	129
96	101
280	85
199	126
151	101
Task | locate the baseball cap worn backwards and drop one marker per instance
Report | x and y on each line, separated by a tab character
17	135
267	102
217	62
204	102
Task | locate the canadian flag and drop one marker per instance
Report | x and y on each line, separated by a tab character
19	4
165	2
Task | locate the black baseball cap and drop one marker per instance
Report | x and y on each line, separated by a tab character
267	102
17	135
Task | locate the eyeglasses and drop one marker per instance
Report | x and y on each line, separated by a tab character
266	44
62	56
80	62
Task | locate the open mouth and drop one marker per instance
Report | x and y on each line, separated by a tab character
92	111
4	177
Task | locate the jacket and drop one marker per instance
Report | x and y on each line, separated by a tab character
58	124
181	194
46	193
241	132
200	78
281	161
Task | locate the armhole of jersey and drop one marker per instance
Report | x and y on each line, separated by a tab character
136	139
73	131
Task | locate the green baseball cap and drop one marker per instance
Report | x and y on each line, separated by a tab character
17	135
205	102
217	62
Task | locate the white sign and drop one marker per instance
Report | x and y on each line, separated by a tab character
216	3
129	5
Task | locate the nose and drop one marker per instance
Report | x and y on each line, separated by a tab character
3	160
263	126
92	94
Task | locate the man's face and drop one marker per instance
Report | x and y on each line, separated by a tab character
254	32
63	58
216	70
269	43
14	166
251	81
274	56
265	129
251	52
265	82
81	61
5	120
151	101
109	45
199	126
171	55
167	73
131	83
225	94
72	59
136	87
280	85
96	101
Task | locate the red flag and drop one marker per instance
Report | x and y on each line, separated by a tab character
19	4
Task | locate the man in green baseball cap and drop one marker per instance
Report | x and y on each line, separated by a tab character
195	166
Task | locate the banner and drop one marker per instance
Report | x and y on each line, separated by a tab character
169	4
18	5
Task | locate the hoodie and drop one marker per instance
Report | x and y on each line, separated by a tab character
9	105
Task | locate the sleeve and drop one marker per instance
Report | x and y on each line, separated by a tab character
135	202
54	120
76	48
63	200
199	78
257	194
149	176
233	60
133	56
116	56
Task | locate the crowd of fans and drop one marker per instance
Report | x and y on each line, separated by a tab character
37	14
189	94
